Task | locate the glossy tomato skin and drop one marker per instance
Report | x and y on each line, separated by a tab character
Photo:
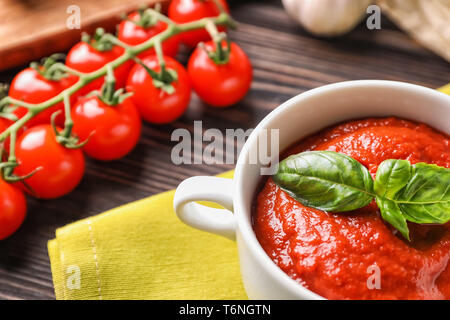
30	86
220	85
133	34
182	11
115	129
154	104
13	208
5	124
61	169
84	57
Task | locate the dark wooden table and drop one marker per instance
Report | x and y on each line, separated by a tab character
286	61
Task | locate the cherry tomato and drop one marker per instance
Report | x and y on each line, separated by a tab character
61	168
32	87
154	104
13	208
183	11
134	34
220	85
84	57
115	129
4	124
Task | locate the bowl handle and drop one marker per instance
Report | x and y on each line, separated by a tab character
213	189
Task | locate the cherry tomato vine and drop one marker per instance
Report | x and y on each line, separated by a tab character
47	116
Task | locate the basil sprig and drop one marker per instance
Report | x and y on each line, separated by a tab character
334	182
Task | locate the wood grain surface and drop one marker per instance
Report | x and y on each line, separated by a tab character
286	61
30	29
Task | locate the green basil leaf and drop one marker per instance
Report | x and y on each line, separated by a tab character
421	191
426	198
391	213
325	180
391	177
331	181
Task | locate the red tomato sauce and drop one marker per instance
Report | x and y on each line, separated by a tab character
338	255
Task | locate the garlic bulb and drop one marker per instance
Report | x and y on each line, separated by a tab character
327	17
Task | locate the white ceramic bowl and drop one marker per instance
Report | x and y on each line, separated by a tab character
302	115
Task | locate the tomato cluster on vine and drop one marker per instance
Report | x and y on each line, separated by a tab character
104	119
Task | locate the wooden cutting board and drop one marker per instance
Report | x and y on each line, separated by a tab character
31	29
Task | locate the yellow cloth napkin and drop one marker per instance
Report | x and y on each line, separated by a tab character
142	251
445	89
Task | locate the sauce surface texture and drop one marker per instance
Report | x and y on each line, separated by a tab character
339	256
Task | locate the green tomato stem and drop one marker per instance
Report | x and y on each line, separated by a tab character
85	78
220	55
68	123
130	52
